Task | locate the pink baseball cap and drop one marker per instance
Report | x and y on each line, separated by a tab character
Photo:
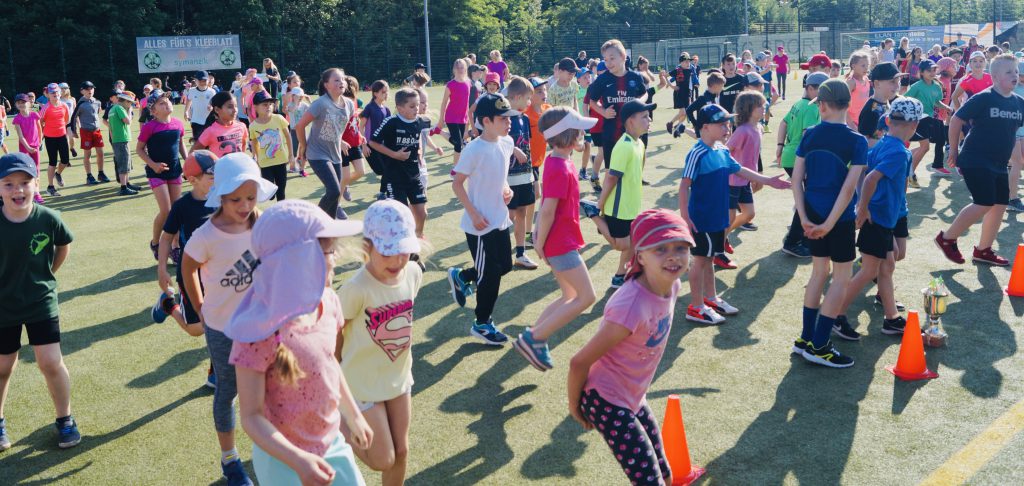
652	228
292	273
492	77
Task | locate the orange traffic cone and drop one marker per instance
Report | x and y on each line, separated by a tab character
1016	286
673	435
910	364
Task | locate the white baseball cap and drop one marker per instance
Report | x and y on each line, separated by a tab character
906	109
233	170
391	228
571	120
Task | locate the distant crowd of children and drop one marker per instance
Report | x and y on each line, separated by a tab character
324	377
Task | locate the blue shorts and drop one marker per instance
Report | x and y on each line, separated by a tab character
270	470
740	195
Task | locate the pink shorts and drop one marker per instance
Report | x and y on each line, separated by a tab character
155	183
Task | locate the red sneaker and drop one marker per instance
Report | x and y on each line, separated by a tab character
988	256
435	131
723	262
949	248
728	245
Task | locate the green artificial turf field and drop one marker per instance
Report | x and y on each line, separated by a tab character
754	414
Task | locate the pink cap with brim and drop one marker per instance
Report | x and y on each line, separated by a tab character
652	228
291	276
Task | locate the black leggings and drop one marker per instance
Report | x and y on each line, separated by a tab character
782	83
939	137
634	438
278	174
57	146
492	255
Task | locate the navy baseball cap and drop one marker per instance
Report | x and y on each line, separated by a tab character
199	162
16	162
261	97
20	97
202	75
87	85
537	82
884	71
753	78
712	113
926	65
601	66
633	107
815	79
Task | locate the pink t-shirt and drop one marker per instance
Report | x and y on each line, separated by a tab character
559	182
781	63
744	146
225	139
973	86
29	127
227	262
306	414
55	120
458	101
624	373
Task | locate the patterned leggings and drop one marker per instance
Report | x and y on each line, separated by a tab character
632	437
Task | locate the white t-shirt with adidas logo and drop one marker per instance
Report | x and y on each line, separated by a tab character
226	264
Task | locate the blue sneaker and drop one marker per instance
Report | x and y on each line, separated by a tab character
487	333
67	430
618	281
159	311
459	288
235	474
5	442
536	352
211	380
590	209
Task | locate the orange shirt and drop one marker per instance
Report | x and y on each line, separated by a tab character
537	143
55	120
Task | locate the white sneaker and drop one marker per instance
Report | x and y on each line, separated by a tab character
721	306
525	262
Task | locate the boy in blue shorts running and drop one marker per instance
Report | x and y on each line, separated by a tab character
829	162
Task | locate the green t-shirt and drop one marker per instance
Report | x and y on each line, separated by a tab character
119	131
801	116
28	289
581	93
628	164
927	94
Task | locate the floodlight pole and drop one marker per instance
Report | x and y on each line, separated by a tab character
426	36
746	16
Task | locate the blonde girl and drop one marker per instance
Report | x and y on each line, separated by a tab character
374	347
217	268
455	106
291	393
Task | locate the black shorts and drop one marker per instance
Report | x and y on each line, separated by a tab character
354	153
929	129
456	134
987	188
708	244
408	192
680	98
618	228
187	311
874	240
598	138
197	130
46	331
740	195
838	245
901	230
905	81
609	143
522	196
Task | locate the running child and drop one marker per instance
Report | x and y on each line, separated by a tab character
270	147
781	61
481	185
187	214
55	117
197	103
622	190
802	115
397	141
583	82
371	117
296	102
375	346
882	196
161	147
87	117
609	377
995	116
929	92
120	124
36	243
828	168
559	238
680	79
324	146
455	106
704	198
29	130
217	268
521	177
353	164
292	395
710	96
974	82
223	134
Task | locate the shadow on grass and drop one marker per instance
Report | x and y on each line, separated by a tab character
124	278
78	339
182	362
38	450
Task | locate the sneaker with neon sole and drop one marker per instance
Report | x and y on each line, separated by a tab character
536	352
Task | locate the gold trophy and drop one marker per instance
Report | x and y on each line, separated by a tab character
935	297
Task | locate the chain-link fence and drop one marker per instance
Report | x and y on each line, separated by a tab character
372	54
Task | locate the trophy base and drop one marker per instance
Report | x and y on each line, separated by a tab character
934	340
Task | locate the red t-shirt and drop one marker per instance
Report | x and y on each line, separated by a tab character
559	182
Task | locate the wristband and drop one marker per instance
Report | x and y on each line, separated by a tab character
780	145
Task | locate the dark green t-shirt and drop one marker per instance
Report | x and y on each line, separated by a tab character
28	289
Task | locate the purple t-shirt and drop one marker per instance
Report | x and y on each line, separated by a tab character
375	114
29	127
498	67
744	146
624	373
458	101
